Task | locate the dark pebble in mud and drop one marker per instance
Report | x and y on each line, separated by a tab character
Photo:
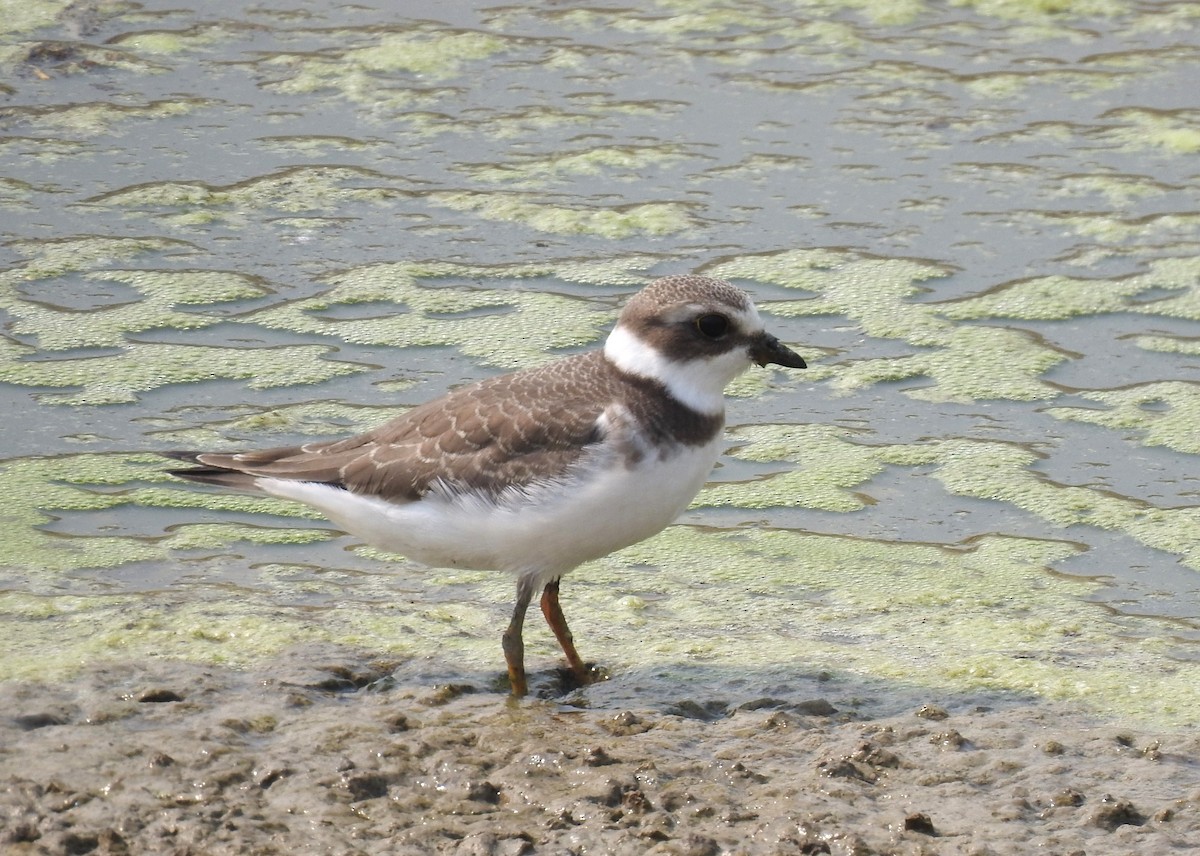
597	757
1116	812
919	822
159	696
932	712
627	723
367	787
34	721
815	707
696	845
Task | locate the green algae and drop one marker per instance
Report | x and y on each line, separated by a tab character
964	363
295	189
989	615
1169	344
1002	472
312	418
826	468
1040	10
57	256
979	615
1166	413
101	117
1172	228
29	15
58	328
988	470
1060	297
173	42
872	292
143	366
305	188
1172	131
500	326
318	145
436	56
1116	189
90	629
519	328
974	364
355	73
614	222
41	150
623	163
34	490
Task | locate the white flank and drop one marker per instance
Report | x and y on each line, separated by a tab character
546	529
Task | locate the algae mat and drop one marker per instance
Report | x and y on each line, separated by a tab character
978	222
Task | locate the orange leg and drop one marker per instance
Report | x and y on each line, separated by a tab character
514	644
552	610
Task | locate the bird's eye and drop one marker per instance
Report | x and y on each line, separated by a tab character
712	326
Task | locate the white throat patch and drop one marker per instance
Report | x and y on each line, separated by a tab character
698	383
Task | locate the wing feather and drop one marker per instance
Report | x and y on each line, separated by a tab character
499	433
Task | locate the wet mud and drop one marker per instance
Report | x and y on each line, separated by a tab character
322	752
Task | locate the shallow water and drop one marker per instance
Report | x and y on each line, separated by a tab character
978	224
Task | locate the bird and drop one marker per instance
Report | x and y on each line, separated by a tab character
537	471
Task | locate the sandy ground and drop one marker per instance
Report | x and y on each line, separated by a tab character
317	754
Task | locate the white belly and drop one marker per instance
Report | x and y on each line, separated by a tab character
548	531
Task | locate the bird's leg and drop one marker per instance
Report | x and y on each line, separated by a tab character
558	623
514	645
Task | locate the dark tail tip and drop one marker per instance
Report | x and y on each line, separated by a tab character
189	457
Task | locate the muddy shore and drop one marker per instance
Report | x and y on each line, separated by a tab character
323	752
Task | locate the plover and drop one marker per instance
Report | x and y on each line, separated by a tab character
537	471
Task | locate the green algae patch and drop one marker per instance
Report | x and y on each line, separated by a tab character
314	419
41	150
620	162
743	29
1169	344
1039	10
355	73
58	256
1172	131
15	194
1060	297
428	56
1001	472
988	470
239	627
959	362
984	614
143	366
318	145
1161	414
101	117
173	42
29	15
964	363
295	189
975	364
58	328
874	293
34	492
823	468
505	327
89	629
615	222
